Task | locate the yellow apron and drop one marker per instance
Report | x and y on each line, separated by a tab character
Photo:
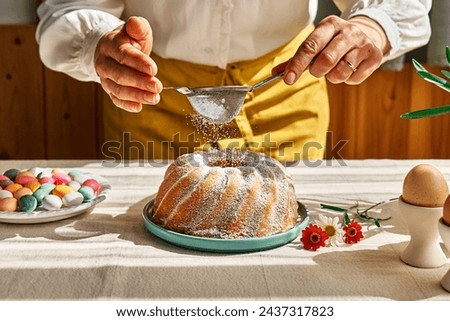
288	123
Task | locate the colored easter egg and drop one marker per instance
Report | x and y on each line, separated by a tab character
74	185
48	187
5	194
22	180
8	204
51	202
12	173
44	173
43	191
25	173
93	183
81	178
5	183
33	185
87	192
61	190
46	179
75	172
72	199
61	178
22	192
13	187
36	171
27	203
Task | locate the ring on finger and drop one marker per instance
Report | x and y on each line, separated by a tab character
354	69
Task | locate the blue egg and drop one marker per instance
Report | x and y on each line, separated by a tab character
87	192
27	203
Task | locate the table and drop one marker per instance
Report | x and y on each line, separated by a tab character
108	254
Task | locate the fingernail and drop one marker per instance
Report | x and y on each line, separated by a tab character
152	99
149	98
290	78
137	109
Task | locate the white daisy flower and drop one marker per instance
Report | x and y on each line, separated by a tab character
332	227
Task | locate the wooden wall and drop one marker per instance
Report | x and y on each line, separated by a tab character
44	114
368	117
47	115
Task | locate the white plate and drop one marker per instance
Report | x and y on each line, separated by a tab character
41	215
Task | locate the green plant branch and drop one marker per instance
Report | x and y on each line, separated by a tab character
436	80
363	215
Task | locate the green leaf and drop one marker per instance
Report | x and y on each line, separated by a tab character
417	65
433	78
377	222
438	81
333	208
429	112
446	73
447	51
347	220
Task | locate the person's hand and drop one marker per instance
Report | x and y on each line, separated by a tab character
126	71
342	51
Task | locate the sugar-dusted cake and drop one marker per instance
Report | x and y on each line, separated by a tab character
226	194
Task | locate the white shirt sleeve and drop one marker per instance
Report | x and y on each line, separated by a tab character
68	33
209	32
405	22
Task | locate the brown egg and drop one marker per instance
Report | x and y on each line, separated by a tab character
8	204
446	217
22	192
425	186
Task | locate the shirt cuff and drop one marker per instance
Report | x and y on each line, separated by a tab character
90	45
388	25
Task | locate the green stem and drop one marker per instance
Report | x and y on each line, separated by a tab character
333	208
360	214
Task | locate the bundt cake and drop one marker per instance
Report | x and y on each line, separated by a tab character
226	194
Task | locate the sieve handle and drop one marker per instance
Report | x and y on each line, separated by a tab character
267	80
181	89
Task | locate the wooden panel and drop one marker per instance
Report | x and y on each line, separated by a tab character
429	137
368	116
21	95
73	130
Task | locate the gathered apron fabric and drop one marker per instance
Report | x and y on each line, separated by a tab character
288	123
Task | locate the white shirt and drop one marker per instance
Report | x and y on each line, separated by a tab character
210	32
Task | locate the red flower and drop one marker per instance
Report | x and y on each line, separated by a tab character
313	237
353	233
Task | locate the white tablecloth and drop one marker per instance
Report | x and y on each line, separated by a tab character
109	254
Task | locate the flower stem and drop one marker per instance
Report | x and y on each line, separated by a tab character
360	214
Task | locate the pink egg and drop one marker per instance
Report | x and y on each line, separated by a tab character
61	178
92	183
22	180
3	178
44	180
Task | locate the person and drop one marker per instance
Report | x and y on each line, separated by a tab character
134	48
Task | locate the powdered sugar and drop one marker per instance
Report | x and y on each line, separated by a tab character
218	105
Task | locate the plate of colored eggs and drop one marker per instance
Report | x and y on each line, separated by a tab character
41	195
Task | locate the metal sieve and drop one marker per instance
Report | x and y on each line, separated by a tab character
220	104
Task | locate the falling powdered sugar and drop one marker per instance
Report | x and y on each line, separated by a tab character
212	132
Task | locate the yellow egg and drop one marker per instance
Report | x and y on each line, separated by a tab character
425	186
446	217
